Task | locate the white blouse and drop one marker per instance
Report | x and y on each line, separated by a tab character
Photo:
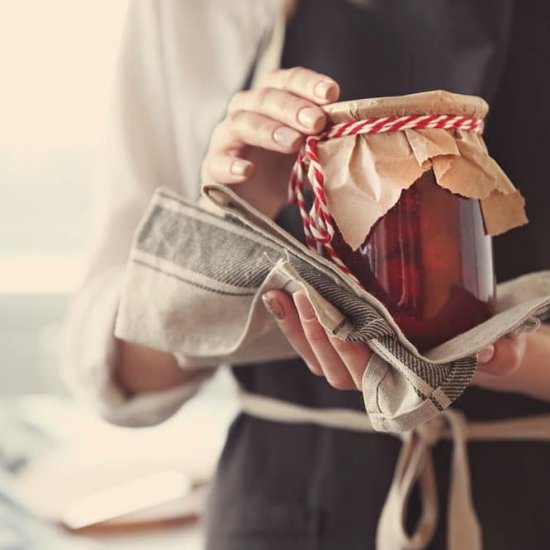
180	63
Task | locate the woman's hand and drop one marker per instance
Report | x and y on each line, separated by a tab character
341	363
518	364
262	130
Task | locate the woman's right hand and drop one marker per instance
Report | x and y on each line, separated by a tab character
254	146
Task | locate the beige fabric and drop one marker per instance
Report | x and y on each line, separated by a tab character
179	64
88	370
415	463
365	174
207	273
270	56
522	298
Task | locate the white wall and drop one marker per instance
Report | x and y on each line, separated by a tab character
56	62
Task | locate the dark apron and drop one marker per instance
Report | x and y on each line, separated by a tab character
290	487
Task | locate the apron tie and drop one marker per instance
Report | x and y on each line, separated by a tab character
415	464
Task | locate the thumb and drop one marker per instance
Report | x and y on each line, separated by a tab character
503	357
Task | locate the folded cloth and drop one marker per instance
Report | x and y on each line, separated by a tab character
195	279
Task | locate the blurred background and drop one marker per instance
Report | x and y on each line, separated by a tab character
56	65
56	61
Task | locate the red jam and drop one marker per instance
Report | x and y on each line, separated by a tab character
429	261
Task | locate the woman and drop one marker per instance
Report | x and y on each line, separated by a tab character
298	486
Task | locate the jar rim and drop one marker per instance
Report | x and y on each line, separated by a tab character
437	102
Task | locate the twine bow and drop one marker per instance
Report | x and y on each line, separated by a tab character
319	227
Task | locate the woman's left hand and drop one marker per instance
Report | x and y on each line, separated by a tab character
519	364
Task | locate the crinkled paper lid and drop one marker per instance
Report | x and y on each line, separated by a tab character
365	174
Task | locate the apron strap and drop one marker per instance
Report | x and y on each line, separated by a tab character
415	464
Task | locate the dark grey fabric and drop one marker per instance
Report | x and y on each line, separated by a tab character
496	49
205	249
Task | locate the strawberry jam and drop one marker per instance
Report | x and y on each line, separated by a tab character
429	261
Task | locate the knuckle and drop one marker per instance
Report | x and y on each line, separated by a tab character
279	104
270	76
262	97
238	125
265	129
316	335
339	381
292	75
235	102
231	118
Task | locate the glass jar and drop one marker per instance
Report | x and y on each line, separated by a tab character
429	261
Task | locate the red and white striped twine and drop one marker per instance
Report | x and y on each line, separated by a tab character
318	223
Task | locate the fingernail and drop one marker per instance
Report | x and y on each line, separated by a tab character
303	305
240	167
285	136
273	306
325	90
486	354
309	117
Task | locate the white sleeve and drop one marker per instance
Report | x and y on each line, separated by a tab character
179	64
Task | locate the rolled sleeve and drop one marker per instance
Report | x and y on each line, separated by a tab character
174	77
90	357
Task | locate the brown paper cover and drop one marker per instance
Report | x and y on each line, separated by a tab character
365	174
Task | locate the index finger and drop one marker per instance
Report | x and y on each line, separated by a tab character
306	83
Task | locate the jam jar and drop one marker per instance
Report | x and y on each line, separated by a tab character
429	261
